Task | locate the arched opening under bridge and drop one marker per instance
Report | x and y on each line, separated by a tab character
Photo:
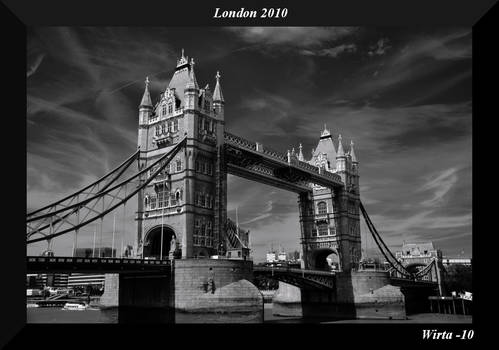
152	242
415	267
325	259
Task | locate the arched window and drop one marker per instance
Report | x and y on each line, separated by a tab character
322	208
163	110
163	128
175	125
179	165
157	130
170	108
153	202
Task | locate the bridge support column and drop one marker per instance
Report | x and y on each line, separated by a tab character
306	212
287	301
110	298
219	290
356	295
146	298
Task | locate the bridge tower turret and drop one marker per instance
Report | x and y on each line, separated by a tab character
187	201
332	225
145	112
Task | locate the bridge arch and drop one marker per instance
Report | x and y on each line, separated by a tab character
152	241
319	258
415	267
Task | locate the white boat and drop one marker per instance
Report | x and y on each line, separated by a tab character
74	306
31	305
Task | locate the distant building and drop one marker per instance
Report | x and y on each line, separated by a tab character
271	257
418	253
282	256
236	242
56	280
83	279
415	256
31	281
456	261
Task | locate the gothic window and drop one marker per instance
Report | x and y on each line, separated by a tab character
157	130
322	230
153	203
162	195
170	126
175	125
163	110
172	168
196	227
146	202
322	208
173	200
170	108
179	165
210	168
209	232
203	200
163	128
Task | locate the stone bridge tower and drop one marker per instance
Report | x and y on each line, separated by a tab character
187	201
329	218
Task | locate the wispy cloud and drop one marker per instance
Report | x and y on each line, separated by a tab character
293	36
331	52
440	185
380	48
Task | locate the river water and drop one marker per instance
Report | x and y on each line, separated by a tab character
57	315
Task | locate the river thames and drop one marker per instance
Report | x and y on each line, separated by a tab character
57	315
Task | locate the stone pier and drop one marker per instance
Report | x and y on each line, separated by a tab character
361	294
195	286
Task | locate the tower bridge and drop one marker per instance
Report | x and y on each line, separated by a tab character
180	184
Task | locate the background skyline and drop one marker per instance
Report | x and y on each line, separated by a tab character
403	96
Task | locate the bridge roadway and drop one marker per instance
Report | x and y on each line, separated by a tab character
38	264
298	277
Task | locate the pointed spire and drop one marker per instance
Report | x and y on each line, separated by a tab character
325	132
217	94
300	155
352	152
182	60
146	98
192	84
340	152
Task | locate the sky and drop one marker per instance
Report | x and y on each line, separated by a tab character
403	95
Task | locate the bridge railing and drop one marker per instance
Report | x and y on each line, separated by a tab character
93	260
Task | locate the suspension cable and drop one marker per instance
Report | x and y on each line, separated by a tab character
169	155
378	239
125	164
